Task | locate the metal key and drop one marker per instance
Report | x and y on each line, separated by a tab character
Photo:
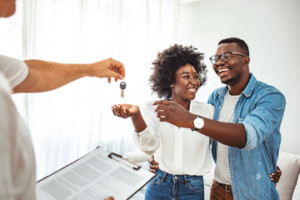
123	87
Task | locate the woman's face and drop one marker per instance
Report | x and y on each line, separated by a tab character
7	8
186	83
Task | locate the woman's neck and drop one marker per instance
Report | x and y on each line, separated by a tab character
182	102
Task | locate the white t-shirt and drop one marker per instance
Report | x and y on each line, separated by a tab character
17	162
222	171
177	150
14	70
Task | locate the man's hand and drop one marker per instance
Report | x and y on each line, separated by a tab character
109	68
169	111
276	176
125	110
153	165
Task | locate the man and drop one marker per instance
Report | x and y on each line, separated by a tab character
17	163
246	137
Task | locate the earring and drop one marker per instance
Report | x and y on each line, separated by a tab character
171	85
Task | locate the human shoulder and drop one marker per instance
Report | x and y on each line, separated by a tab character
220	90
266	88
149	107
263	90
14	70
217	92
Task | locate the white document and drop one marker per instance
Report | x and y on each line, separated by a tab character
94	177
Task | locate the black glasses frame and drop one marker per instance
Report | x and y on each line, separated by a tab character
224	56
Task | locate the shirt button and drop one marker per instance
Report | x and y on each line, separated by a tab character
176	177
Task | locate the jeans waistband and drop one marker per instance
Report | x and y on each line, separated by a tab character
226	187
175	177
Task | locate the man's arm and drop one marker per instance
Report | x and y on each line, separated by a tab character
230	134
44	76
257	125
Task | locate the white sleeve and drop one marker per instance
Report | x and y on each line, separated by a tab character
13	69
148	139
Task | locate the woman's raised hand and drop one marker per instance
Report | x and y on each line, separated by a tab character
125	110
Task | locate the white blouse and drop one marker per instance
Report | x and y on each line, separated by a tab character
177	150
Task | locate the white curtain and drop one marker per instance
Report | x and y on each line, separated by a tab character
71	121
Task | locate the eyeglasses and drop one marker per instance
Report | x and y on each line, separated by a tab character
224	56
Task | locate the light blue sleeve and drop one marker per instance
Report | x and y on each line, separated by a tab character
265	118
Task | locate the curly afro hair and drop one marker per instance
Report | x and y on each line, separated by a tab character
168	62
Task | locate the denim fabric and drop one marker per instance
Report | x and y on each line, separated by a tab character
166	186
260	109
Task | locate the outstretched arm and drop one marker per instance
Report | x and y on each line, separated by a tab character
44	76
146	136
227	133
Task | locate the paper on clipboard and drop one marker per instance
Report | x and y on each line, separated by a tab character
94	177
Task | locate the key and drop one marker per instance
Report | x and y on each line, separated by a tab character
122	86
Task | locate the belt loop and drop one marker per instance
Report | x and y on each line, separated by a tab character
186	180
226	189
163	177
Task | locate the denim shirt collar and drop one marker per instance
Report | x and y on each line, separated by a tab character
247	91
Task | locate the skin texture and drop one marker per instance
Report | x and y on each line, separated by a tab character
109	198
45	75
7	8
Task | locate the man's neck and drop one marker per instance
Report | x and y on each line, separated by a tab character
238	88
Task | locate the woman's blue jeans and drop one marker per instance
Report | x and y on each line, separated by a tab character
169	186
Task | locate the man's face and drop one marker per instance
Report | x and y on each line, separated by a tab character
7	8
231	71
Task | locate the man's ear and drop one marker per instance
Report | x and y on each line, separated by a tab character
247	60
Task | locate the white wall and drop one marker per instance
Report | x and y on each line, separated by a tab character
271	29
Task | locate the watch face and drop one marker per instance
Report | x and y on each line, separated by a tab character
198	123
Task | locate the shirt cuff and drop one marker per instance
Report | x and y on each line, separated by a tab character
251	135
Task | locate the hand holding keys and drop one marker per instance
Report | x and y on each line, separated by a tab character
123	87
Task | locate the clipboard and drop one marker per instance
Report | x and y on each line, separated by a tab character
96	175
127	162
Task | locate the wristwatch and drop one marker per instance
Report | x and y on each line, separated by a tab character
198	123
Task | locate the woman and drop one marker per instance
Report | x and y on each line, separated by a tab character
184	155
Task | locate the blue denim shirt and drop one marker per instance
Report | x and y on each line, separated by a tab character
260	109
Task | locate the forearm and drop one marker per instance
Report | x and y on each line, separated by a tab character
227	133
44	76
230	134
138	122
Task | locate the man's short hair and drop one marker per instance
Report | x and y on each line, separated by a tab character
241	43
